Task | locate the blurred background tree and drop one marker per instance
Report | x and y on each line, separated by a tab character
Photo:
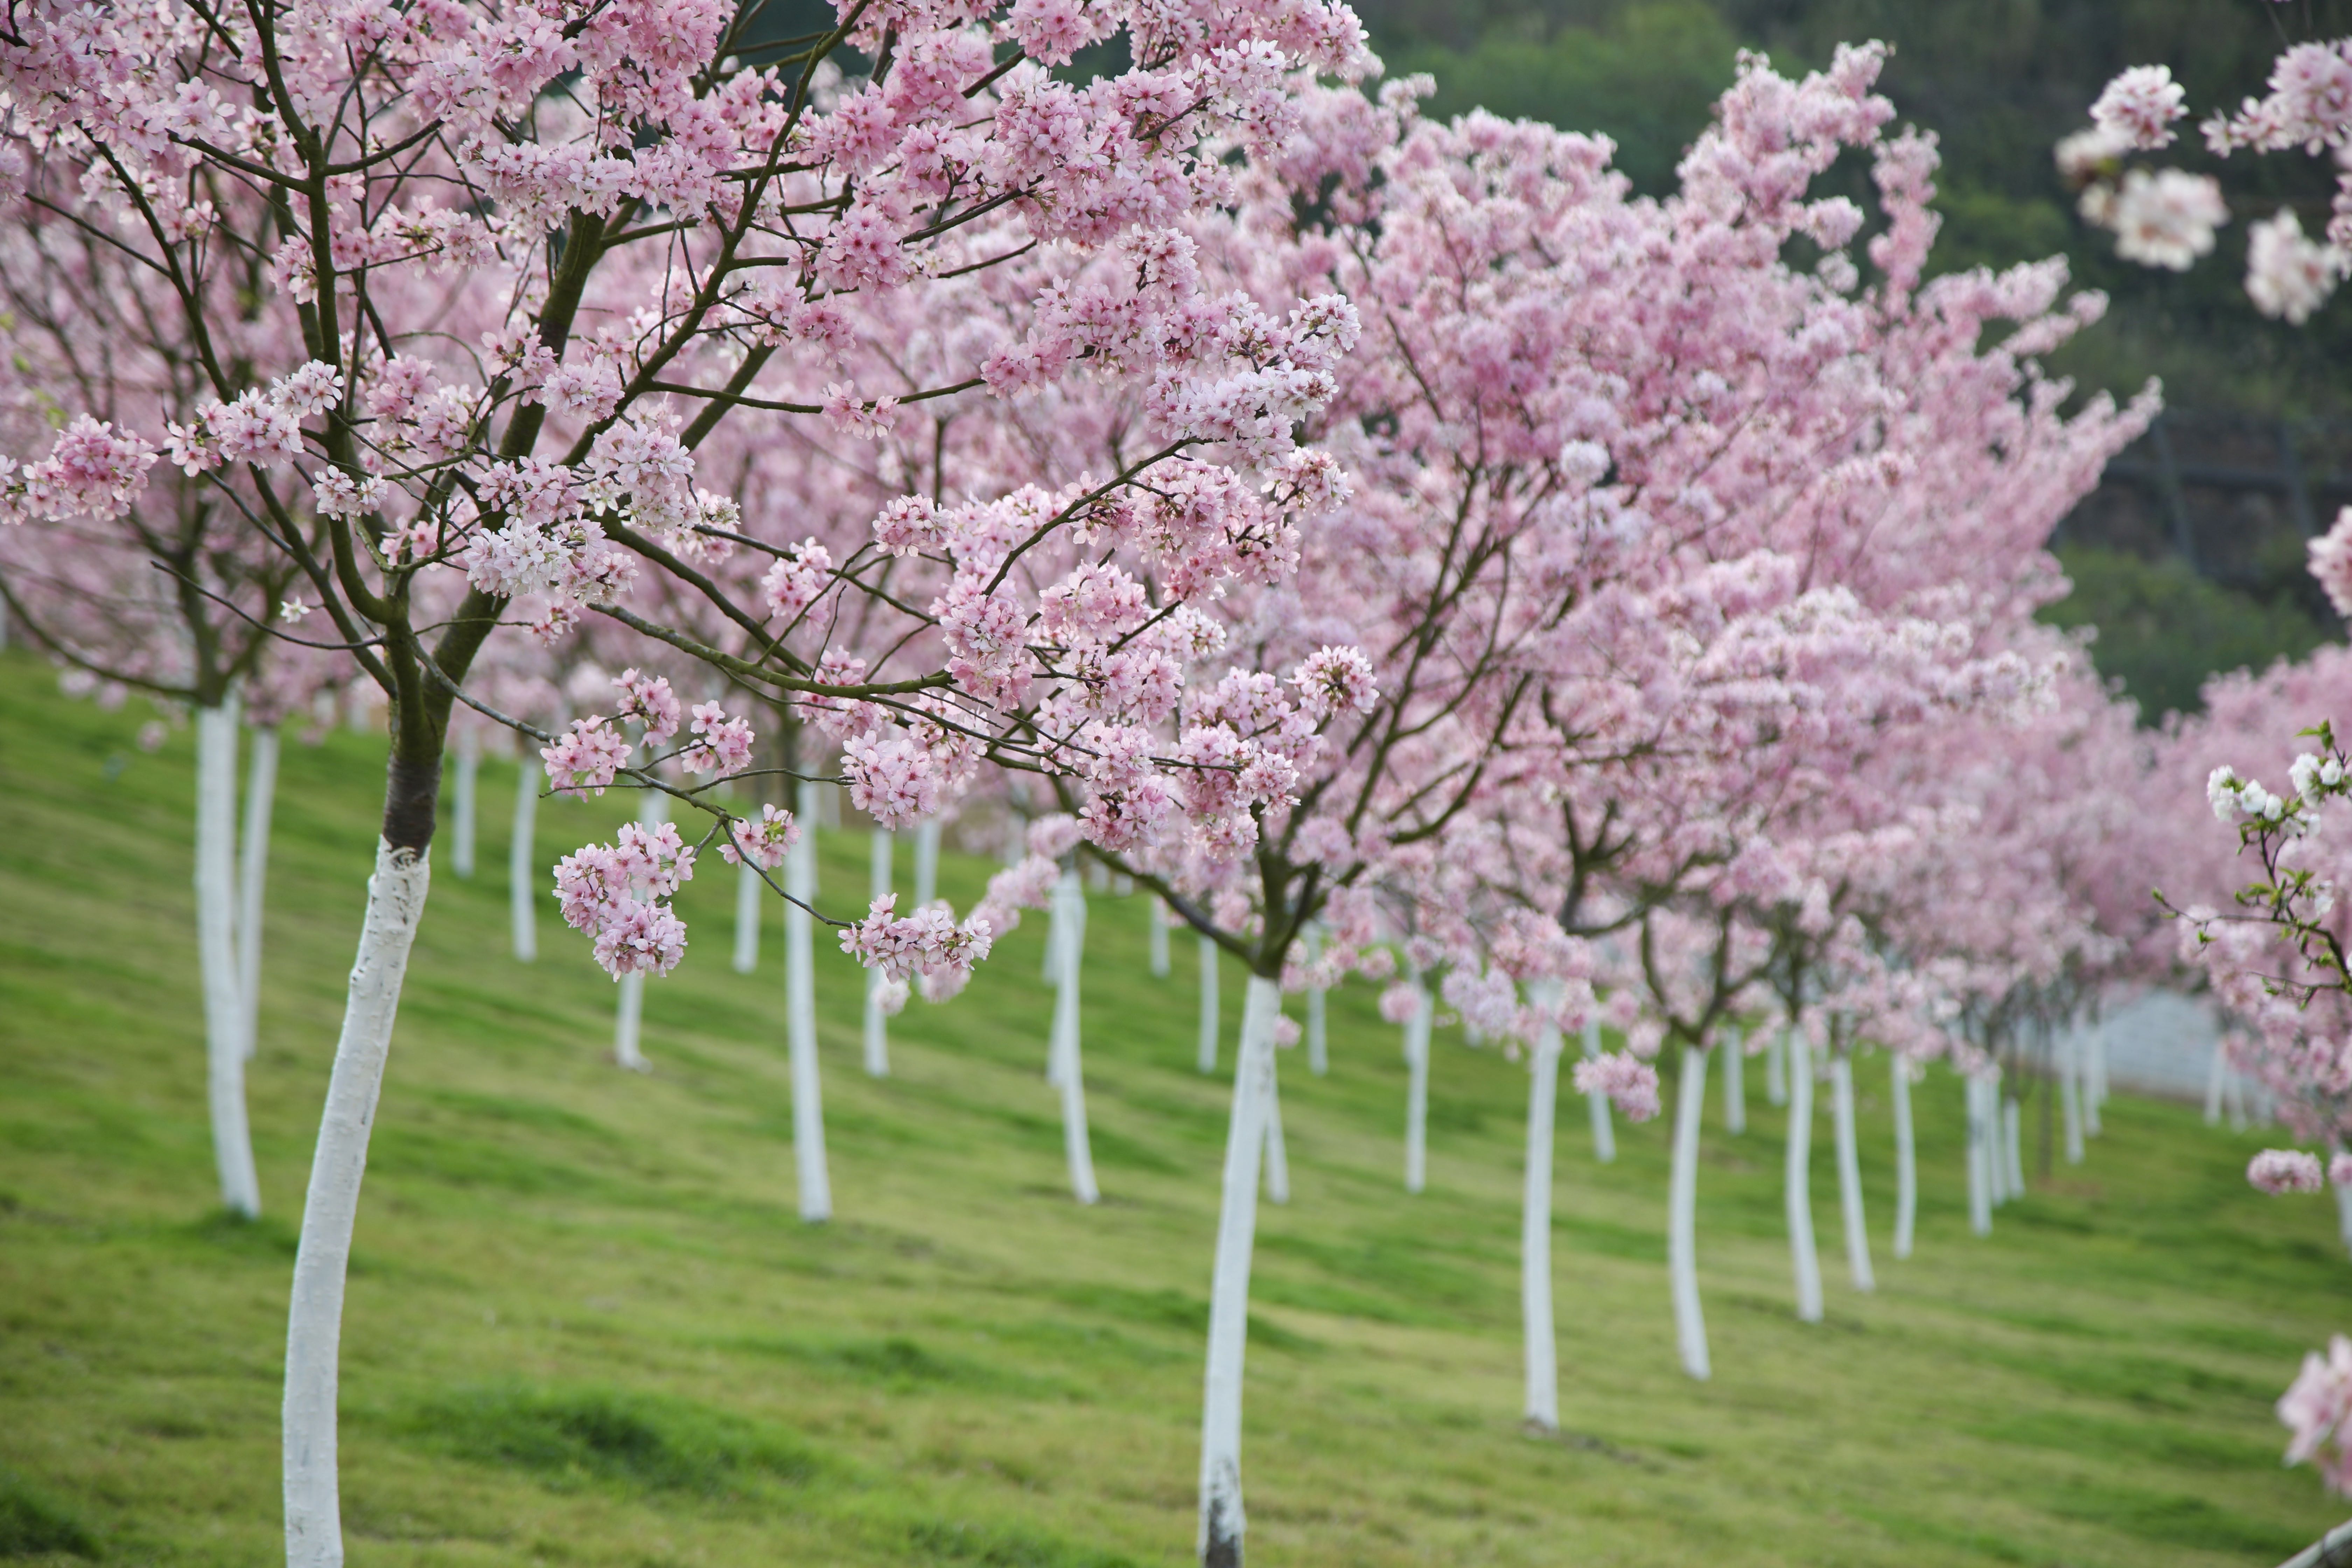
2000	81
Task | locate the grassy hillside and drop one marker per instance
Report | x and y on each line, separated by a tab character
585	1327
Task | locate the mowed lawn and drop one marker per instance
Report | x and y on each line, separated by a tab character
586	1327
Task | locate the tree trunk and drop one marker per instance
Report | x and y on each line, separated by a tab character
1797	1178
1542	1356
225	1011
1278	1156
1849	1166
800	1017
463	779
747	889
1318	1060
2094	1077
1208	1051
1063	1067
253	875
1980	1160
1604	1127
2012	1117
2216	1073
1776	1069
1158	938
1906	1157
2070	1091
395	903
878	1027
522	869
1417	1089
927	863
629	1015
1681	1215
1221	1522
1734	1081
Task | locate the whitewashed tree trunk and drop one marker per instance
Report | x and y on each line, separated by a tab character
800	1017
2068	1051
1064	1068
1681	1215
1796	1177
878	1026
2343	1210
2013	1118
1222	1521
1776	1069
463	780
2234	1100
1542	1357
225	1007
1980	1160
1417	1089
1734	1081
1906	1157
314	1537
1849	1165
1604	1128
2094	1076
1159	938
1278	1156
2217	1072
1318	1060
630	1012
522	870
1208	1050
1996	1157
252	876
749	887
927	863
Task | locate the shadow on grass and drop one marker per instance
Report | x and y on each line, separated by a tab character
574	1438
31	1526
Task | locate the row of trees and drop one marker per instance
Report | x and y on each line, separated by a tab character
1392	545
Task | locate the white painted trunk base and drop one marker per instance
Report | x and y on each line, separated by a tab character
225	1008
1906	1157
629	1011
2013	1147
1604	1127
1278	1156
464	781
1416	1090
749	892
1542	1353
1318	1059
2067	1053
522	869
1063	1067
395	902
799	1018
2343	1211
1222	1520
1207	1055
1849	1168
252	876
1158	938
927	863
878	1023
1775	1070
2094	1076
1980	1159
1682	1217
2217	1071
1797	1179
1734	1082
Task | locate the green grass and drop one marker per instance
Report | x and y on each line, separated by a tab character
585	1327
